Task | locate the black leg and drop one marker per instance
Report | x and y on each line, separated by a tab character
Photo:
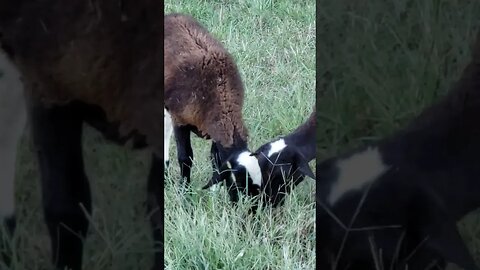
155	208
9	224
184	151
57	135
13	120
165	171
216	163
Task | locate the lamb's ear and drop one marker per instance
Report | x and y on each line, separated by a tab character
305	169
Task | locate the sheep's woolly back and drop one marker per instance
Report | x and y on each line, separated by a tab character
106	53
202	83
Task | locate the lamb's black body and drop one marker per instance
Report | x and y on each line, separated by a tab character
290	162
430	181
277	170
303	138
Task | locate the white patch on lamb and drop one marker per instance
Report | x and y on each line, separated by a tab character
251	165
276	147
356	171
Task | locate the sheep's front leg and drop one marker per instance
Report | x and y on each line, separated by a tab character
57	135
184	151
13	118
155	207
10	135
167	134
216	163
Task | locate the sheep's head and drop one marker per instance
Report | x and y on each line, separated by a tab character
283	167
241	173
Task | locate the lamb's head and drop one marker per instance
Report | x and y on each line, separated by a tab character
241	173
283	167
272	171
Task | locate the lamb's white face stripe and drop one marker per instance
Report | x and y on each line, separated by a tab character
167	133
356	171
276	147
252	166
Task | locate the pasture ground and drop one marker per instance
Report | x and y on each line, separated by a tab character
273	43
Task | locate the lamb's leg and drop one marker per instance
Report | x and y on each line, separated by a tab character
11	133
155	208
167	134
57	135
9	140
184	151
13	118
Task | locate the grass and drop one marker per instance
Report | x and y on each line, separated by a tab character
381	64
273	43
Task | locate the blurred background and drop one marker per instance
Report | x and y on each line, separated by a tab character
381	63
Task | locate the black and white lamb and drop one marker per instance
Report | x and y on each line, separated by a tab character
397	202
283	165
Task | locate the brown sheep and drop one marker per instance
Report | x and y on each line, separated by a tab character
204	94
97	62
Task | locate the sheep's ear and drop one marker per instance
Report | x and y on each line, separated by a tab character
305	169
